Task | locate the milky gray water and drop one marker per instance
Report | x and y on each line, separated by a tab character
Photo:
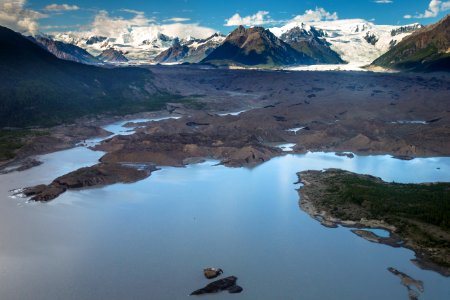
151	239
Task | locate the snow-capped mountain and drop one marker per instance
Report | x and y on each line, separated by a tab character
256	46
357	41
66	51
111	55
312	43
190	50
427	50
139	48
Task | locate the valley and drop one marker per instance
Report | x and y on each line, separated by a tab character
134	156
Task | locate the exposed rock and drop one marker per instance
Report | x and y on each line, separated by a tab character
371	38
349	155
113	56
236	289
26	164
311	43
410	283
255	46
100	174
212	272
234	148
403	157
66	51
195	124
228	283
176	52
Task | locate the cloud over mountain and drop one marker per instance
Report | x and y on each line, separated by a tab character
260	18
263	17
434	8
137	27
318	14
15	15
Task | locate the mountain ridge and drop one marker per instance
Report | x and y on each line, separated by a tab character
427	49
66	51
255	46
37	88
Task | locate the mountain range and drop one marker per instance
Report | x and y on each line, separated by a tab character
43	81
256	46
354	41
65	50
191	51
112	55
312	43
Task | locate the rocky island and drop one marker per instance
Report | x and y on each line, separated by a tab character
100	174
417	215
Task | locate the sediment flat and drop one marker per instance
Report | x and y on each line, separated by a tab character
357	112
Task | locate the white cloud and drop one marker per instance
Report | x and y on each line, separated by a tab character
138	28
383	1
319	14
15	15
260	18
175	19
132	11
183	30
434	8
61	7
105	25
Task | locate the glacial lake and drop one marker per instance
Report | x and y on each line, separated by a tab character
151	239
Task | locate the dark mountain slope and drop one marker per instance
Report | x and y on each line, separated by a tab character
309	43
175	53
255	46
113	56
36	88
66	51
428	50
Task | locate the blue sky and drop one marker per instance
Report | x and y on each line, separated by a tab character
48	15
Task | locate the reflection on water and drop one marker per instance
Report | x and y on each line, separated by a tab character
151	239
236	113
287	147
119	128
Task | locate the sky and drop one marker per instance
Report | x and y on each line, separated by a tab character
200	18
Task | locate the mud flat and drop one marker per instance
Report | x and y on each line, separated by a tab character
417	215
349	113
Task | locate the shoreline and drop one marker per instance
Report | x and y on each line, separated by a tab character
310	191
336	111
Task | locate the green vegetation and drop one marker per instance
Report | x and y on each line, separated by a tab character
428	203
38	89
419	212
12	140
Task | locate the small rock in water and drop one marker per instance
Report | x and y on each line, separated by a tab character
228	283
212	272
235	289
410	283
